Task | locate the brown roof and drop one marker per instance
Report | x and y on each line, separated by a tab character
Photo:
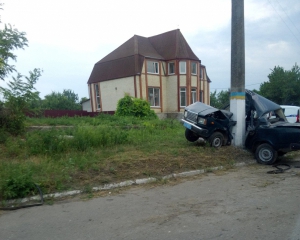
127	60
172	45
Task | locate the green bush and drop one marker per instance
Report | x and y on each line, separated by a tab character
129	106
17	184
12	122
3	136
17	99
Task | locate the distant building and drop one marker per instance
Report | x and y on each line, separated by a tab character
162	69
86	105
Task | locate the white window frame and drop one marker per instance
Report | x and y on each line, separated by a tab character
152	67
97	94
183	97
169	68
182	67
193	95
193	67
154	96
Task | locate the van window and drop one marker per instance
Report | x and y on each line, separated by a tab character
291	113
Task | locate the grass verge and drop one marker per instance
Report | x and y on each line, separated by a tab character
101	150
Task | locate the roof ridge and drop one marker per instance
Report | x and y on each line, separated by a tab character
176	42
135	44
111	60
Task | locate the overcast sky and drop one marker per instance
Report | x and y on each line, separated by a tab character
67	37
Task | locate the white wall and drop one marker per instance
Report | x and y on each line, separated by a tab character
86	106
113	90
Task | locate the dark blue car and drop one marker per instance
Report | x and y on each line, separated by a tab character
268	133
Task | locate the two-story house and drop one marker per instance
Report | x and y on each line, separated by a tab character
162	69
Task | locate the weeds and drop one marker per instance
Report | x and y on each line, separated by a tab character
97	151
17	183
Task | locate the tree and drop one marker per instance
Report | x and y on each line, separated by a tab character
67	100
10	39
20	95
220	100
83	100
283	86
17	99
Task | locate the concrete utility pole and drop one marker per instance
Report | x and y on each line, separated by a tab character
237	94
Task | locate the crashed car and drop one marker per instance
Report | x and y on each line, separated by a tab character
209	123
268	133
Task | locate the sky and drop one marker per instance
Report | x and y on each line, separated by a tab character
67	37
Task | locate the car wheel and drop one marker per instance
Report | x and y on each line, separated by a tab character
190	135
265	154
216	140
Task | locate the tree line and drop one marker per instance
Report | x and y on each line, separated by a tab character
283	88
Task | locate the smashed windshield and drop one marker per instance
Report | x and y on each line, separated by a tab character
275	116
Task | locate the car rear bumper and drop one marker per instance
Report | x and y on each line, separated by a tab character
202	132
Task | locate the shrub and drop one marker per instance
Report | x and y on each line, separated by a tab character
129	106
17	99
3	136
17	184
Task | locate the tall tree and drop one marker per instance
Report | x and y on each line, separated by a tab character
67	100
20	94
220	100
283	86
10	40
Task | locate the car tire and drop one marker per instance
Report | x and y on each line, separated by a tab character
216	140
190	135
265	154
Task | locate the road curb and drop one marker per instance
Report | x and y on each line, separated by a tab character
124	184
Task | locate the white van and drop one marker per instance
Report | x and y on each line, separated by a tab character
291	113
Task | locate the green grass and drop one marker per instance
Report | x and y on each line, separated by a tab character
100	150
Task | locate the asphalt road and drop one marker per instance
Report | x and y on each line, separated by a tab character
245	203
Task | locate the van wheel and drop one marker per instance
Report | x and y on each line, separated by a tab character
216	140
265	154
190	135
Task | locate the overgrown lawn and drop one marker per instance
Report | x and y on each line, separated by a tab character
100	150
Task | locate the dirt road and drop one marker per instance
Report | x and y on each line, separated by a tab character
244	203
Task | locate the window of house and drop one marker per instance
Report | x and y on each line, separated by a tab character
171	67
97	92
154	97
201	96
202	73
194	68
193	95
182	67
182	97
152	67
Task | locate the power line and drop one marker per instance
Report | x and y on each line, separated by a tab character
284	21
288	17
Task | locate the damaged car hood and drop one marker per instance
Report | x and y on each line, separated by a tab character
203	109
260	104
